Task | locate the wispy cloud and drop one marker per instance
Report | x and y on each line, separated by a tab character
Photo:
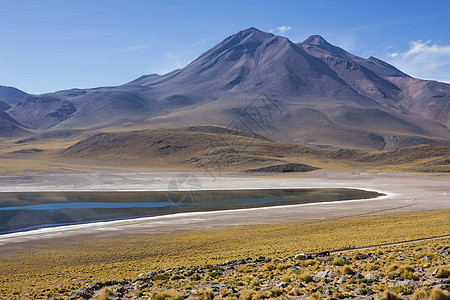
427	60
199	42
137	48
280	29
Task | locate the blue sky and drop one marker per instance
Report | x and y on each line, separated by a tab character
50	45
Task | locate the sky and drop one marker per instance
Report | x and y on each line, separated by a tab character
51	45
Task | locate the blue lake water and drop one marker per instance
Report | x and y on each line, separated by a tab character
31	210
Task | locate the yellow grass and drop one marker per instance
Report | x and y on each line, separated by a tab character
70	266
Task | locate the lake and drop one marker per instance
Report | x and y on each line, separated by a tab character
30	210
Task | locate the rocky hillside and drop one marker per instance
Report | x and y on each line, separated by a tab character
408	271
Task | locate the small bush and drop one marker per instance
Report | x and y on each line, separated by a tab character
347	270
170	294
339	261
175	277
421	294
247	295
438	294
306	277
208	294
388	295
282	267
286	278
308	262
443	273
196	277
276	292
364	291
254	283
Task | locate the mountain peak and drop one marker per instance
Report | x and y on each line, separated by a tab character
316	40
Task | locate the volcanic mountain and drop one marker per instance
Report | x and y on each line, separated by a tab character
310	93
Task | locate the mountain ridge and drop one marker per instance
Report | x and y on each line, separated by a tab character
323	95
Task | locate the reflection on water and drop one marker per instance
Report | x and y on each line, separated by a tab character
24	211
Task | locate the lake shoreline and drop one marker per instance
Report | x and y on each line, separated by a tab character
404	193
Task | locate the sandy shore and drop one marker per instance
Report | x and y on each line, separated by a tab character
406	192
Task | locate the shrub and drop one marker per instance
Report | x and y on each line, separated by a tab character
421	294
438	294
208	294
410	275
196	277
170	294
175	277
286	278
338	261
254	283
308	262
405	289
247	295
443	273
388	295
347	270
282	267
276	292
306	277
364	291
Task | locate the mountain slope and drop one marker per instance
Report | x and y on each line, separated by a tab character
310	93
11	95
211	148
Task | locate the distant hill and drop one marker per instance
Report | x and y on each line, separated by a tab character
10	128
11	95
215	149
309	93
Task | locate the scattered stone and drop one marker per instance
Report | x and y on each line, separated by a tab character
444	251
282	285
84	293
357	276
407	282
372	276
323	274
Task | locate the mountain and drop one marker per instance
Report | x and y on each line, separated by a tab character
47	111
11	95
310	93
10	128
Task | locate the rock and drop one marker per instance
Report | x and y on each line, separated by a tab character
323	274
218	287
84	293
112	297
434	272
372	276
426	258
393	276
120	290
444	251
357	276
282	285
343	279
303	256
407	282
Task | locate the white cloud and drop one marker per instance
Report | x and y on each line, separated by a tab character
426	60
138	47
199	42
281	29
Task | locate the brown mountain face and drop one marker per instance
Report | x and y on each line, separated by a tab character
310	93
